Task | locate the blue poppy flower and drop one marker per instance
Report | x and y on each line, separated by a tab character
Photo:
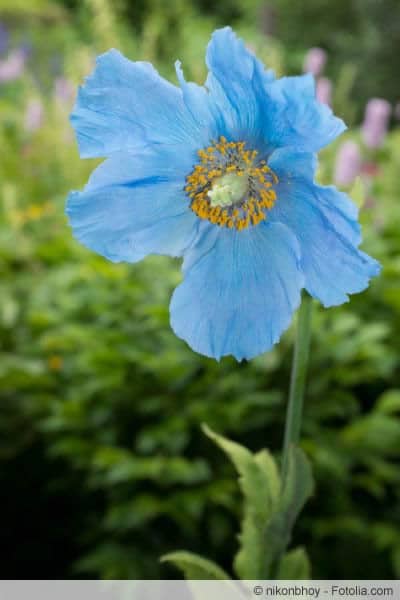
222	175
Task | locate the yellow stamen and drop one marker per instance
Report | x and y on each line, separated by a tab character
215	192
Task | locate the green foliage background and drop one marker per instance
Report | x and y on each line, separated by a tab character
103	466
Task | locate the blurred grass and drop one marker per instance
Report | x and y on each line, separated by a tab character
103	466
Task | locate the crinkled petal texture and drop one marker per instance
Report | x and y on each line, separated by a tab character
134	205
239	291
256	107
125	105
325	223
296	117
236	84
243	101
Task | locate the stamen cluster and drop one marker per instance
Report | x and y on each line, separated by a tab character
218	160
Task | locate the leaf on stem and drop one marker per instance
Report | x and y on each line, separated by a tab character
194	566
270	505
259	482
294	565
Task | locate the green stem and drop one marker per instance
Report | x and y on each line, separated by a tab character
297	380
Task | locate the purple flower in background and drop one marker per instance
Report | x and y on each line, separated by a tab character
314	61
13	66
64	90
4	38
376	121
33	115
324	90
348	163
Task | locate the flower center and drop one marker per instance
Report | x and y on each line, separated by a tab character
230	187
227	190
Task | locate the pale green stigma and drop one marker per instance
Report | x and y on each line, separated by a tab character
228	189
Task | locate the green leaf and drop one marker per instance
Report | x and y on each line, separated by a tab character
194	566
298	485
389	402
375	432
295	565
296	489
260	484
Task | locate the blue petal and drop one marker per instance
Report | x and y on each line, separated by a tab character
205	115
239	291
296	118
126	104
157	163
133	207
337	207
257	108
325	223
236	82
288	163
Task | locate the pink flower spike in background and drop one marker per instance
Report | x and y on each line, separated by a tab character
13	66
64	90
348	163
315	61
324	90
376	121
33	115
